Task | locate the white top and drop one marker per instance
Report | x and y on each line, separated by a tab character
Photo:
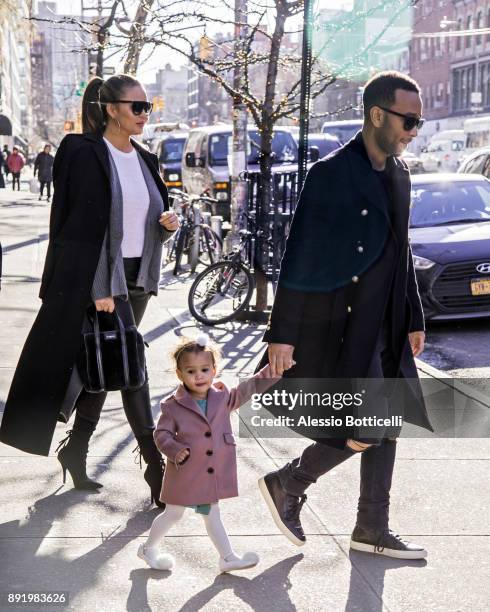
136	200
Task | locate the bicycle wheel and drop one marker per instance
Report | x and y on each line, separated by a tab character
180	248
220	292
210	246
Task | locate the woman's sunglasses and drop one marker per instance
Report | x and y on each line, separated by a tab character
409	122
136	106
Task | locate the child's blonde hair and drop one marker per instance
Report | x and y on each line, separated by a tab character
201	344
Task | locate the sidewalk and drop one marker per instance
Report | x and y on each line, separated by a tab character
53	537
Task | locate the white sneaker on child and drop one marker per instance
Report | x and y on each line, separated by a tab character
156	559
232	562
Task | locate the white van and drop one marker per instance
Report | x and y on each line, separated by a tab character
477	133
444	151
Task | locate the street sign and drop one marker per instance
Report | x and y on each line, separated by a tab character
109	70
476	98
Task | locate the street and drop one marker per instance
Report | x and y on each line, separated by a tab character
459	348
55	538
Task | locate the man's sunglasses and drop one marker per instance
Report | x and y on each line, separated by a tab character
136	106
409	122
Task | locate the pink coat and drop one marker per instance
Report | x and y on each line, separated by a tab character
210	472
15	162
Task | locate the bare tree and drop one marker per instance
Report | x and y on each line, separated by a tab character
135	35
264	62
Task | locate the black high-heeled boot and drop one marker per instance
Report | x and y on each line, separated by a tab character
155	467
72	454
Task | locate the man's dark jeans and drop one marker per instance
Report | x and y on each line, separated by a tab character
377	462
377	465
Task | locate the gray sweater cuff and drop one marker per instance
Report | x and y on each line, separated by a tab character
165	234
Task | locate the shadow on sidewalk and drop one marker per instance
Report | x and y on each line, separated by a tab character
267	591
30	564
368	577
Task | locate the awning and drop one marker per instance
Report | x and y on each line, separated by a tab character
5	126
19	141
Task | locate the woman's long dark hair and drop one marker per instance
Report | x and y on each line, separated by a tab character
94	114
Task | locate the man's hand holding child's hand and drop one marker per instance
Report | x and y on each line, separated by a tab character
182	455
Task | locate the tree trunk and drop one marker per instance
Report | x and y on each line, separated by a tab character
136	34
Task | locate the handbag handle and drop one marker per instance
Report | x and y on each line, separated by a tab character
124	350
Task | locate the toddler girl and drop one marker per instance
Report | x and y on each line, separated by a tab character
194	432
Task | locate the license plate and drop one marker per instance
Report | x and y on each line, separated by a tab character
480	286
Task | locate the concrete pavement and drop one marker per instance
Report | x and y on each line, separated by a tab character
53	538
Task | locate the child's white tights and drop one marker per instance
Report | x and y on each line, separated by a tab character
172	515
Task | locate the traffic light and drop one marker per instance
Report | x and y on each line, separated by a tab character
205	48
158	103
81	88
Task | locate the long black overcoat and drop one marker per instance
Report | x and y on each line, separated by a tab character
79	219
356	264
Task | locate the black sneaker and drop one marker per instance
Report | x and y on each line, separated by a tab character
385	542
285	508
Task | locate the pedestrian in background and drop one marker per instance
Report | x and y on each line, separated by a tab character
5	154
43	166
109	219
15	163
2	170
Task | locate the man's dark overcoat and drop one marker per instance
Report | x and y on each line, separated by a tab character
79	220
348	268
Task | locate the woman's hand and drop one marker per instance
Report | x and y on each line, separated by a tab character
105	305
417	342
182	455
169	220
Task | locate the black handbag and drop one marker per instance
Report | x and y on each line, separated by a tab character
112	360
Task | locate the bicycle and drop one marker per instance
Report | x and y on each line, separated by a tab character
224	289
195	239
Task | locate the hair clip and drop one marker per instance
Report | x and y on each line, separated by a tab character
202	340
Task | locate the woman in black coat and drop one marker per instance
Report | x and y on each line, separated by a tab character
93	257
43	165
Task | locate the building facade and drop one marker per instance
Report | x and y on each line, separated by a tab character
15	74
470	55
171	86
61	51
354	44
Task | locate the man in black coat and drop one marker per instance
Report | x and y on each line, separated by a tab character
347	306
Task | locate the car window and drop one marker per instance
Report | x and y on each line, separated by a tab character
325	145
284	148
171	150
486	167
457	145
435	147
475	165
441	203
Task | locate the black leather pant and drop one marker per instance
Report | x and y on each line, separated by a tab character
136	403
377	462
377	465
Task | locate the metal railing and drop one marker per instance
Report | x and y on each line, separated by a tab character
274	222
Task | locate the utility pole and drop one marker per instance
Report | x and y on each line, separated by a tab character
239	153
304	118
95	56
100	33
